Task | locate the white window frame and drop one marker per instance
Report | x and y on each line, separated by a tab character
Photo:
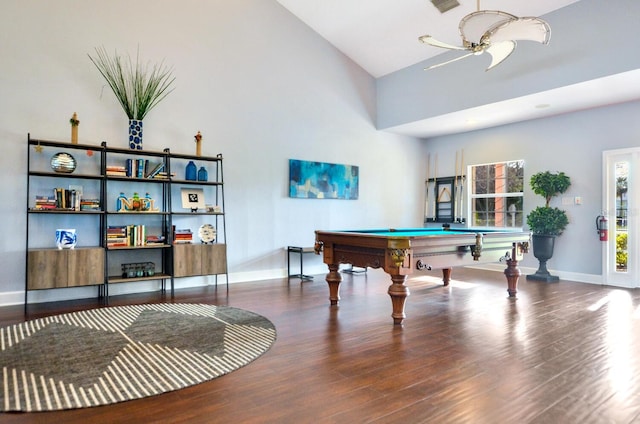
472	197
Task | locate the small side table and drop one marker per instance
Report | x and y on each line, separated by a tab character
300	251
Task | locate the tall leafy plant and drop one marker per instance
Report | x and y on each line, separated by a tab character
138	87
545	219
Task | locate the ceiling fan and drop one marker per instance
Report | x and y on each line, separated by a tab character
494	32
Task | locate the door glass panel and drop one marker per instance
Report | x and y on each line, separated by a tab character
620	227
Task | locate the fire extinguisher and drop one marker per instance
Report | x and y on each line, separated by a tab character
602	226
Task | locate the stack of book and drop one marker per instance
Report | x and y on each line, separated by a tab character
45	202
116	171
89	204
63	199
126	236
153	239
137	168
117	236
182	236
163	176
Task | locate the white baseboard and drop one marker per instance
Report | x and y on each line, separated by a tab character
56	295
570	276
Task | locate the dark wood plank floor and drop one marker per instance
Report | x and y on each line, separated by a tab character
561	353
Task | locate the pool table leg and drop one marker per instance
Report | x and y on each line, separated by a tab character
446	276
398	292
512	273
333	279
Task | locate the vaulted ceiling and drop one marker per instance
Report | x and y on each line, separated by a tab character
382	37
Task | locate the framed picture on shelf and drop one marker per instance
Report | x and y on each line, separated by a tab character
192	198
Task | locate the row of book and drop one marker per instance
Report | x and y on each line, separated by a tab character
138	168
64	199
131	235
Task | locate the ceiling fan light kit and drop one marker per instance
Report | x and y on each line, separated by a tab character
494	32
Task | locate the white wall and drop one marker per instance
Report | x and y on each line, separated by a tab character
572	143
260	85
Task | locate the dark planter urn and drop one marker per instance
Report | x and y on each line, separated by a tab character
543	251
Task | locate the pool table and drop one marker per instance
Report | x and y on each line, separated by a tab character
401	252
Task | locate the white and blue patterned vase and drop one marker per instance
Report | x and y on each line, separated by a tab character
66	238
135	134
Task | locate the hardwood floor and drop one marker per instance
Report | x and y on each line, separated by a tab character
561	353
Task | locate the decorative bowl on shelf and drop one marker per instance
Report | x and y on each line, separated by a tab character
63	163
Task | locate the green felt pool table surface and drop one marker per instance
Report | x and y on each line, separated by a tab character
422	232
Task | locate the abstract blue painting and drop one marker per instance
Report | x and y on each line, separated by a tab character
319	180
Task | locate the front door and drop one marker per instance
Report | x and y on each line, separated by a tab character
621	202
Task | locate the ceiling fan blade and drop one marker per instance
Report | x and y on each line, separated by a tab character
500	51
448	61
427	39
474	25
532	29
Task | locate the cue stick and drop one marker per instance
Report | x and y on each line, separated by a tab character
461	181
427	206
435	186
455	190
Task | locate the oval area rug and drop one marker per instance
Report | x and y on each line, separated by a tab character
114	354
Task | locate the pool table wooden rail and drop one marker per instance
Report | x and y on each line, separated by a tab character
420	253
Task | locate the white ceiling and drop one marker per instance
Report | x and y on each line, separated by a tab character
382	37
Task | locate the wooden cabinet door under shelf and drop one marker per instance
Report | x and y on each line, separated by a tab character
55	268
199	259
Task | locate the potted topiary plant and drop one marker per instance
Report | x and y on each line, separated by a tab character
545	222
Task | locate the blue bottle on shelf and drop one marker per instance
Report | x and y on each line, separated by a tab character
191	171
203	175
120	202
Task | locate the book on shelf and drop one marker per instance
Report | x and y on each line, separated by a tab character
136	168
45	202
129	236
155	239
140	165
62	199
164	176
116	170
155	170
182	236
129	167
90	204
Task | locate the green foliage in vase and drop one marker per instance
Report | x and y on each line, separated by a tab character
549	185
138	88
548	221
545	219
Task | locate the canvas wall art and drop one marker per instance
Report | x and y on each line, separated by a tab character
320	180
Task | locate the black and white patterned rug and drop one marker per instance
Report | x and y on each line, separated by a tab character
115	354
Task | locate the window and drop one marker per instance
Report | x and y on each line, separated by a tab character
496	193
